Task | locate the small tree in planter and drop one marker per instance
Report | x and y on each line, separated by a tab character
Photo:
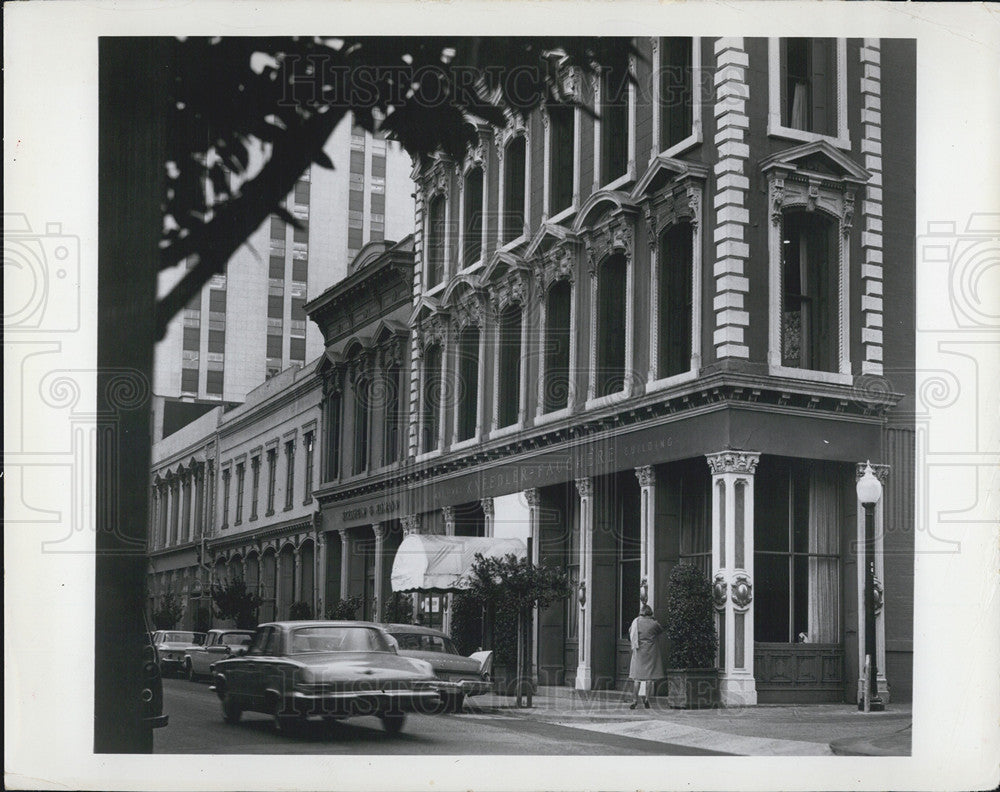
398	609
233	601
344	609
169	613
300	611
692	676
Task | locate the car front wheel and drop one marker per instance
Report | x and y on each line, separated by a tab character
393	722
231	711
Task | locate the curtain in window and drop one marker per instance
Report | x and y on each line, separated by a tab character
800	106
824	539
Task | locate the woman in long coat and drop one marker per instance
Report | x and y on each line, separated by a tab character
646	665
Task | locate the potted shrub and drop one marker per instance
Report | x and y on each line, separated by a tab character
300	611
692	676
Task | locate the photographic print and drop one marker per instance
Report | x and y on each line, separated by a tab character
560	397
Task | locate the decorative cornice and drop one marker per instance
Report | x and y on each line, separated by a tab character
555	264
733	462
613	236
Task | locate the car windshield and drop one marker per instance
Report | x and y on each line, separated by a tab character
424	643
337	639
235	639
177	637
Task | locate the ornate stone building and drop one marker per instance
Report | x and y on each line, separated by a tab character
669	333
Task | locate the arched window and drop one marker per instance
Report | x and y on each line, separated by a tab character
674	300
557	336
435	240
509	367
809	265
468	382
472	227
362	403
610	373
430	398
390	438
513	189
333	421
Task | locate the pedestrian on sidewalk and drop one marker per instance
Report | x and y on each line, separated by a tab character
646	665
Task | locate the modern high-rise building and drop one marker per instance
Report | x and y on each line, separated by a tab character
248	324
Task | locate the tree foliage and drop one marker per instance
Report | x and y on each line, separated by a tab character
398	608
299	611
169	613
233	601
249	115
344	609
690	620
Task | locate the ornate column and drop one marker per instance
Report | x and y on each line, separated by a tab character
345	549
585	489
647	534
172	517
379	530
411	527
184	507
322	559
278	615
449	520
882	474
297	580
154	518
487	504
208	510
732	560
533	499
449	530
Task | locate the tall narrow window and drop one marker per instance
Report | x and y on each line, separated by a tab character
272	464
610	374
430	399
333	422
509	383
675	90
435	241
674	347
614	124
797	552
809	76
255	486
361	419
629	559
513	189
809	327
310	453
557	335
225	498
468	382
472	230
240	482
562	160
289	473
390	436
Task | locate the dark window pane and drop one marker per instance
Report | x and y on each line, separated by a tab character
277	228
611	326
301	235
509	386
355	238
361	417
390	440
357	162
513	198
213	381
473	231
189	380
771	496
614	124
276	267
431	397
771	598
557	335
192	337
298	311
378	203
468	382
217	341
809	86
356	201
675	91
561	158
217	300
302	192
376	234
436	241
333	419
809	320
297	348
675	300
378	166
274	346
275	306
300	270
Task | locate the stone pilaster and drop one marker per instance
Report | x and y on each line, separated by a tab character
647	534
378	529
585	490
345	558
487	504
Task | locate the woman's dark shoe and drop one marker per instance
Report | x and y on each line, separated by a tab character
632	705
645	703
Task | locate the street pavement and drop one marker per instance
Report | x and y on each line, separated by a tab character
561	722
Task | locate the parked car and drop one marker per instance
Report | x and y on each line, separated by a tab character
459	676
219	644
172	645
334	669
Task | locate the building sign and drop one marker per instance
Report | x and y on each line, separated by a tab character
372	512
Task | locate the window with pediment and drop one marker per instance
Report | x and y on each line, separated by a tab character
674	299
430	398
390	363
436	231
468	383
361	392
509	365
812	191
558	303
611	307
333	419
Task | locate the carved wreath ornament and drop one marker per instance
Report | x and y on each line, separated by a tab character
742	592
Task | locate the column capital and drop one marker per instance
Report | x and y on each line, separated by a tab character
487	504
532	497
379	530
411	524
584	487
345	534
449	513
881	471
646	475
733	462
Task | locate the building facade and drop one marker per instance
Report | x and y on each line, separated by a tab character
669	333
248	324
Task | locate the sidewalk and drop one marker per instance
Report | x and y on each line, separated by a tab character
768	730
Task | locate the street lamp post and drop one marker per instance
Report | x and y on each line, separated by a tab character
869	490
